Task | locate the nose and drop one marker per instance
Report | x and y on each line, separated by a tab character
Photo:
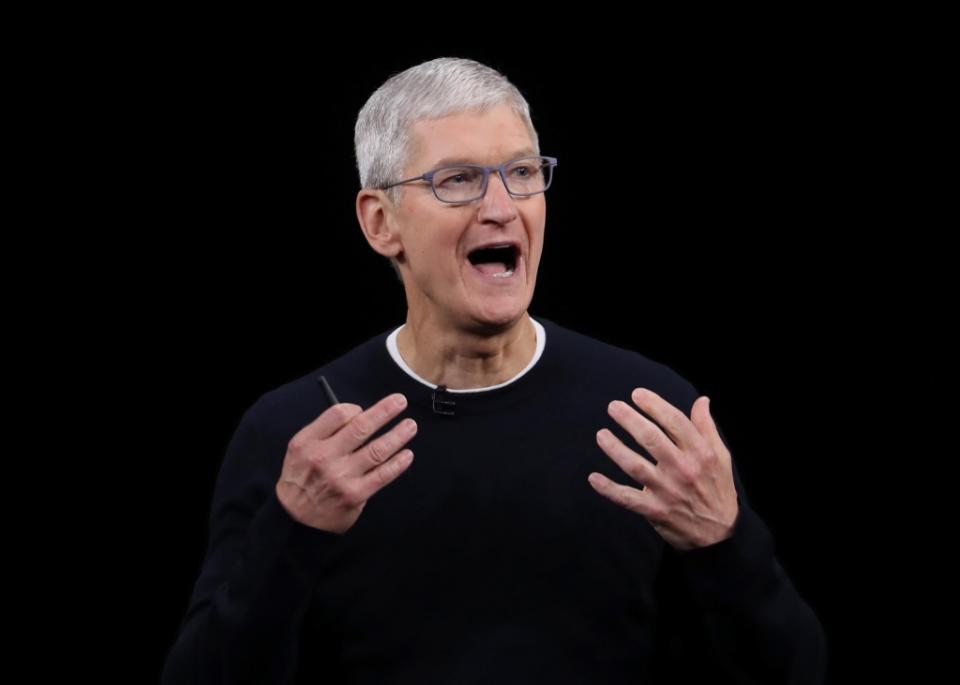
497	204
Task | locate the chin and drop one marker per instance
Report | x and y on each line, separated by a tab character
494	318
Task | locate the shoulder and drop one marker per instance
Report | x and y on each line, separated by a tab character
592	361
285	409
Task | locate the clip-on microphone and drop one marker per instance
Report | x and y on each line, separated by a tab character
442	401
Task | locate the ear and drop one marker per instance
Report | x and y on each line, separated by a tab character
377	217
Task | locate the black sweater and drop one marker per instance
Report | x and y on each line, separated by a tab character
492	559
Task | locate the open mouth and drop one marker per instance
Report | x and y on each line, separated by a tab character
496	262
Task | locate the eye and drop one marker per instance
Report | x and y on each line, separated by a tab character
523	170
455	177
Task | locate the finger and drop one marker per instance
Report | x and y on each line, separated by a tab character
703	419
364	425
633	464
647	434
331	420
674	422
377	452
385	473
629	498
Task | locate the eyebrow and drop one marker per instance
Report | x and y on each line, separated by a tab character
451	161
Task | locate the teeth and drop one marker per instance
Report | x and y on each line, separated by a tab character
504	274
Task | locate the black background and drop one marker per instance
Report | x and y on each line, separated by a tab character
707	212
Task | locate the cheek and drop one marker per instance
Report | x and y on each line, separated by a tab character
434	256
536	223
536	214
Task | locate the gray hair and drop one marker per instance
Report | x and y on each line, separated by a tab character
430	90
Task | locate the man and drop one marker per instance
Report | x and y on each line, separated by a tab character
472	524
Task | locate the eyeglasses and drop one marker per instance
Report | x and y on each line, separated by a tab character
468	182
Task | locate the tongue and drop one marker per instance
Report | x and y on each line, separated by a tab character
490	268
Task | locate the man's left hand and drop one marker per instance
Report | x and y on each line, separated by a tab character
689	496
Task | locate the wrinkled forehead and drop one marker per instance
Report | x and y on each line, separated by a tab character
475	137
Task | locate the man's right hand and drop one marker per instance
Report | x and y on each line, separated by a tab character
329	474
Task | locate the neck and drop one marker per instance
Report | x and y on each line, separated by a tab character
461	359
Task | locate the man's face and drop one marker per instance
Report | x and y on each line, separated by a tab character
436	237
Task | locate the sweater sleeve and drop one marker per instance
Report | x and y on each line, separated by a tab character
730	613
244	616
